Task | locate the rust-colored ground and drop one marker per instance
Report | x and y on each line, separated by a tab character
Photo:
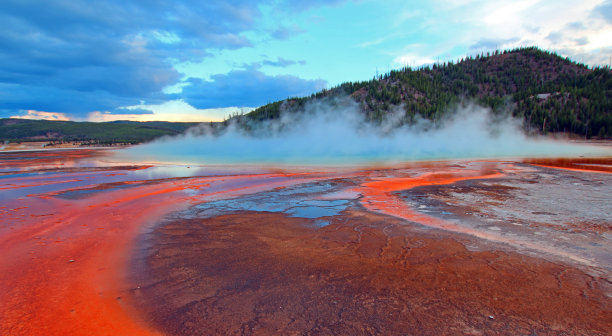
85	250
264	274
575	164
64	261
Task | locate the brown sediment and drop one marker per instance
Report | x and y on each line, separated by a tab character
600	165
254	273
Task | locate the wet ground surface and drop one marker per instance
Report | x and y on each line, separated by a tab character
535	210
91	246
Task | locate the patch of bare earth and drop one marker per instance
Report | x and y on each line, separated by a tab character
259	273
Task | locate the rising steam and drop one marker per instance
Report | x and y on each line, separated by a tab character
337	134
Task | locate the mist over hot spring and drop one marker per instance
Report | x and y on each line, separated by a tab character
333	133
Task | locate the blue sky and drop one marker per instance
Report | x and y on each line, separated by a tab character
202	60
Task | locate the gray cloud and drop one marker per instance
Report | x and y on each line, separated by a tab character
601	56
15	97
575	26
248	87
64	54
492	43
284	33
581	41
604	11
131	111
555	37
575	32
71	56
306	5
282	62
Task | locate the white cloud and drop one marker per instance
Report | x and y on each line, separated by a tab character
566	26
412	60
509	13
33	114
374	42
585	42
166	36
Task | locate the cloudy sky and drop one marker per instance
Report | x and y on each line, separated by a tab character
198	60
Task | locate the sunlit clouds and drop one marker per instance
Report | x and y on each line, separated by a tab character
32	114
175	110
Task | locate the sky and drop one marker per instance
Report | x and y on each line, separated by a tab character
198	60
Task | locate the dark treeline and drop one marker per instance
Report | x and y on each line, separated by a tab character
550	93
91	133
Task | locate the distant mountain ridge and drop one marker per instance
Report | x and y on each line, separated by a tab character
548	92
119	132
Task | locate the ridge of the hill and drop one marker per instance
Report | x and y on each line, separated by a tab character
548	92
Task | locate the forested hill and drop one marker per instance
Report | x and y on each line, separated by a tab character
103	133
550	93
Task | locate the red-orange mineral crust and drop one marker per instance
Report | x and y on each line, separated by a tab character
253	273
74	259
603	165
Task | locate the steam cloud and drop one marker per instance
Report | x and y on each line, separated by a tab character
336	133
